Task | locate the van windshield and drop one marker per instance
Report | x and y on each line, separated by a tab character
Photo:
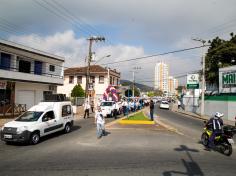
106	104
29	116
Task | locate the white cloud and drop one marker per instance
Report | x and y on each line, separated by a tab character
75	50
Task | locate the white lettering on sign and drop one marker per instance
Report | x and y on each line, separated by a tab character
192	78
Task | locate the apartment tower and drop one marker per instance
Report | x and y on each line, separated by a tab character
161	77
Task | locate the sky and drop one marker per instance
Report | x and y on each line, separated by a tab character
132	28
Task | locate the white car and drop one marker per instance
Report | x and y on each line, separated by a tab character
164	105
40	120
107	108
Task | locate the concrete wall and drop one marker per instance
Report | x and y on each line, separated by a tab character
211	107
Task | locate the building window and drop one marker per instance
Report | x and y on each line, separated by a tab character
110	80
38	67
5	61
71	79
66	110
92	79
51	68
101	79
79	79
24	66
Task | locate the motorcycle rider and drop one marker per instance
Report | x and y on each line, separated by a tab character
215	123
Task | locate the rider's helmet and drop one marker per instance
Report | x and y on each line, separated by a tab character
219	115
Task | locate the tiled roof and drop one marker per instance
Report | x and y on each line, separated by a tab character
93	69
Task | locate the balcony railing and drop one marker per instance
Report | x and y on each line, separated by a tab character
12	110
14	69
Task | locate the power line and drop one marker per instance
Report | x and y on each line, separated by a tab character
76	19
57	14
154	55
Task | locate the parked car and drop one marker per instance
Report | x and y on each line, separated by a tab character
40	120
164	105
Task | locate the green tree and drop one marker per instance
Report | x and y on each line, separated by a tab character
77	91
136	91
150	94
158	92
221	53
129	92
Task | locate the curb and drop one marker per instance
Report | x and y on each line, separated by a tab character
194	116
136	122
168	127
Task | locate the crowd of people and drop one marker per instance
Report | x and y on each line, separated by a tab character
125	106
132	105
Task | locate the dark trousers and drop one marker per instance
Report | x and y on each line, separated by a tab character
91	108
151	114
212	137
86	112
124	110
115	113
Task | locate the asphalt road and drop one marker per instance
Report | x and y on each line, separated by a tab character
133	150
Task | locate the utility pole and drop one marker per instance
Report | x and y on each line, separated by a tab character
135	68
203	76
91	40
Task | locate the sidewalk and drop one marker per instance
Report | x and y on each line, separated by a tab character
198	116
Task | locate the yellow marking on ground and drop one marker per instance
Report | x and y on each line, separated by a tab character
136	122
115	121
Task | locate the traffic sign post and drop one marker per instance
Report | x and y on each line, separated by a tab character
193	81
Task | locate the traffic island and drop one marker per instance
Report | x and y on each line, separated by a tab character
137	119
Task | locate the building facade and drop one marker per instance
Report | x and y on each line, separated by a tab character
161	77
172	86
27	74
100	79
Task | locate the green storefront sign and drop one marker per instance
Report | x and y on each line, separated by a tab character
193	81
229	80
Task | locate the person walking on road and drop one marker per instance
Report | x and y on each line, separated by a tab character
124	106
92	105
116	109
151	109
179	104
86	109
100	121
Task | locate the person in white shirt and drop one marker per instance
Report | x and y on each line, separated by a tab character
100	121
116	109
179	104
124	107
86	109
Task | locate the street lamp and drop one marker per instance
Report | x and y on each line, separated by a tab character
102	59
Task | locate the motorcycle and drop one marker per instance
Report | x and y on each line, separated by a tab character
223	142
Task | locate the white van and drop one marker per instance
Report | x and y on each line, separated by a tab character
40	120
